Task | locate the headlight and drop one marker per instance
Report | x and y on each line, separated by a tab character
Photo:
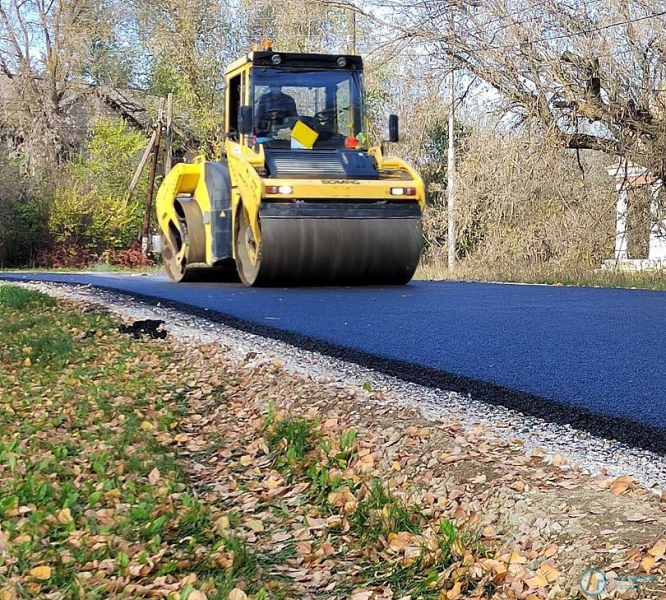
279	189
396	191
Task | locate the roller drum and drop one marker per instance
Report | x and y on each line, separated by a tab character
312	245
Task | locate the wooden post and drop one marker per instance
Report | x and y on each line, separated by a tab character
168	141
142	165
145	233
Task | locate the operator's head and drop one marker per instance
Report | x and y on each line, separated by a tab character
275	89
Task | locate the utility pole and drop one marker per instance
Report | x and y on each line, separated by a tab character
352	31
168	141
145	233
451	164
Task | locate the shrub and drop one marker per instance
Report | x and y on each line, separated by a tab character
90	207
23	215
68	256
523	203
129	258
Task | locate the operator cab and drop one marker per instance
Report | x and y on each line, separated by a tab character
297	101
327	102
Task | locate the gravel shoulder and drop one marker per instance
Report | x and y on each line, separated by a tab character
553	495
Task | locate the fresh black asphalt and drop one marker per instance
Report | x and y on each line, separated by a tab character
593	358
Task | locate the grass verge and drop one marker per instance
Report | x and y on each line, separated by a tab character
101	494
94	502
579	277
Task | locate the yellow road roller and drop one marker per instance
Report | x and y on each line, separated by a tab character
301	196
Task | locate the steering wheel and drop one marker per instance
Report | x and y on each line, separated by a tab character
325	116
273	114
270	118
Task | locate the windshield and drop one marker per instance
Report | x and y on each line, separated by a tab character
329	103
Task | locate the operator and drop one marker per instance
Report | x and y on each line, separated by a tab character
275	100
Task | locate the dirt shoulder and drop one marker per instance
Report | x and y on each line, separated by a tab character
543	521
303	489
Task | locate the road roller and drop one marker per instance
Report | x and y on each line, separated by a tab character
302	195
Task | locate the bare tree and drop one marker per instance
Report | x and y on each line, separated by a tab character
44	47
593	72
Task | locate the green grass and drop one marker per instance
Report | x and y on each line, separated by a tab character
86	424
83	424
18	298
290	440
381	514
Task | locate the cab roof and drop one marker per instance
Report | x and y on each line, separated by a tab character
301	60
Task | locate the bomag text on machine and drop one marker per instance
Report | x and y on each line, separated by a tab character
301	196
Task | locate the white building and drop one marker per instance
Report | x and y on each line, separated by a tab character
630	177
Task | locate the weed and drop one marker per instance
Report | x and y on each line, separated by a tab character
380	513
290	440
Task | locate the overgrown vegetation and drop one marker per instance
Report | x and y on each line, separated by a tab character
83	216
372	515
90	207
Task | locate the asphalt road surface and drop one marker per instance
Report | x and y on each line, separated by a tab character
593	358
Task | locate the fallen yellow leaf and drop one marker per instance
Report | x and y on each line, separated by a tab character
538	581
65	516
153	478
659	549
620	485
454	592
362	595
147	426
314	523
27	362
549	572
43	572
647	563
21	539
255	525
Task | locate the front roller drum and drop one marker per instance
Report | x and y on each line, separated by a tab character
341	248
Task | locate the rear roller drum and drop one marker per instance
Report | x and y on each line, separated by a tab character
184	244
